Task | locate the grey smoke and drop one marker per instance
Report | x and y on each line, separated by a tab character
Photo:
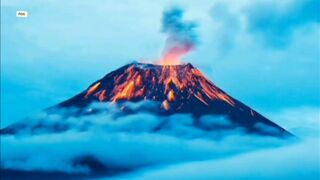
182	36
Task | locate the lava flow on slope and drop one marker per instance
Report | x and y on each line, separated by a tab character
176	89
175	86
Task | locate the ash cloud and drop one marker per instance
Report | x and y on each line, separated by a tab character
182	36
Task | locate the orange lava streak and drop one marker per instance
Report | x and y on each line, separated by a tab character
199	96
169	75
196	72
140	92
102	95
126	93
226	99
165	105
171	96
92	89
215	94
175	81
139	81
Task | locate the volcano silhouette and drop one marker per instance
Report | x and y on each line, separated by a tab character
175	89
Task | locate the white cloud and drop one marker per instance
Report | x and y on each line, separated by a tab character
143	140
298	161
131	141
118	149
303	121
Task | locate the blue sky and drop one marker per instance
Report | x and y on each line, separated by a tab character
264	53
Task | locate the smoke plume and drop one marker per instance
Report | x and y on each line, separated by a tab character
181	36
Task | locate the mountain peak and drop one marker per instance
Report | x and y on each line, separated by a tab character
173	89
150	65
171	85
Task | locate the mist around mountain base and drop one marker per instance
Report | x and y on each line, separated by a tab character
129	147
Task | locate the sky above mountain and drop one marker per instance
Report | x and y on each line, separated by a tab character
264	53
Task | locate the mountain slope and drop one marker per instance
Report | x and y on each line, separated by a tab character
177	89
174	89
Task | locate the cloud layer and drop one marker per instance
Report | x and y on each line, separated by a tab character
291	162
56	142
143	145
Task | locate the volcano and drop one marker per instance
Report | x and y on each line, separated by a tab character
174	89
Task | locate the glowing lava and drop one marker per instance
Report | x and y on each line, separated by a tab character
166	90
171	85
